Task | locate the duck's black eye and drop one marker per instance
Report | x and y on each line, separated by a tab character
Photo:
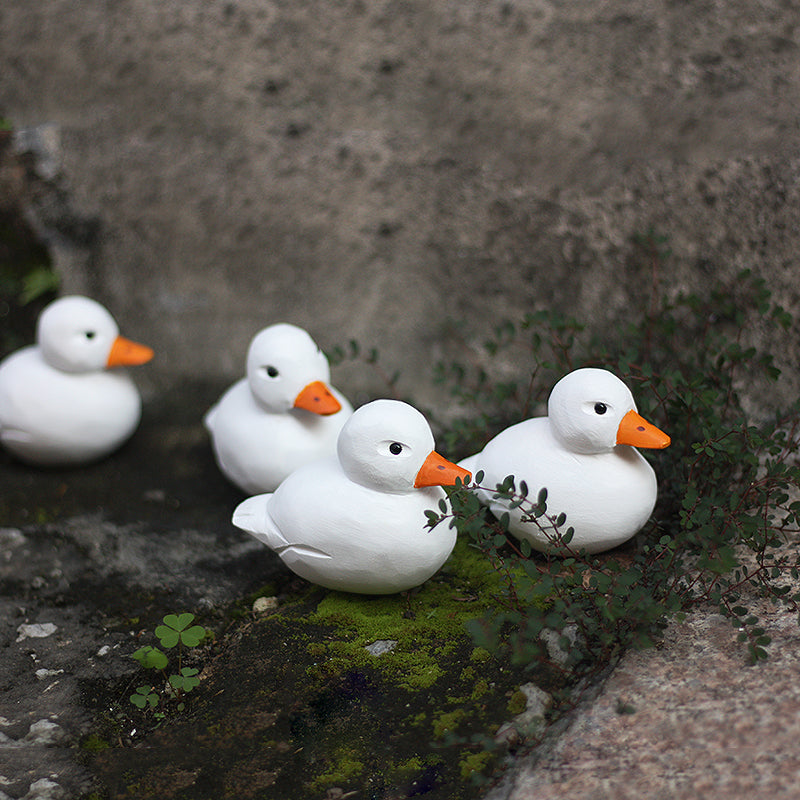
271	371
90	334
600	408
395	448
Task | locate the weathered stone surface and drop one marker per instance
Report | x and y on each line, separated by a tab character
85	557
690	718
373	170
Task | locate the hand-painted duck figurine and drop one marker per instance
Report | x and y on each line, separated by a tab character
59	404
584	453
356	521
282	415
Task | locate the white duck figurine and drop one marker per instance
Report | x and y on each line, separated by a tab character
282	415
59	403
584	453
356	521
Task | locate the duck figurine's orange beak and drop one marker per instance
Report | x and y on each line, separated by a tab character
636	431
318	398
438	471
125	353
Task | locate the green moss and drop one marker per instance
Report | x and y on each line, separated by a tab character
347	768
409	768
475	764
419	719
341	716
27	280
480	689
447	722
518	703
428	625
414	671
480	655
428	666
94	743
446	650
316	649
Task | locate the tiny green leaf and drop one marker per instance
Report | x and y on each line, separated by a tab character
179	622
144	696
193	636
168	636
150	657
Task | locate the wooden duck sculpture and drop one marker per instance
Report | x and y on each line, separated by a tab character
356	521
583	452
282	415
60	403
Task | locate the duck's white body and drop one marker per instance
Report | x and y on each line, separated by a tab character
267	425
604	486
356	521
256	449
58	403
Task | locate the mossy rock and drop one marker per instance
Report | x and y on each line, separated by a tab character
294	700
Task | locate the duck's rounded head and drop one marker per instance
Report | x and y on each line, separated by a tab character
77	334
387	445
591	411
286	369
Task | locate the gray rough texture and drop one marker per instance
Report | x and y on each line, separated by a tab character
689	719
89	559
375	170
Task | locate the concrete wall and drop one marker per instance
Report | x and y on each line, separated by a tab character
375	170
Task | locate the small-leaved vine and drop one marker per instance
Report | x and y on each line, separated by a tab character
729	487
353	352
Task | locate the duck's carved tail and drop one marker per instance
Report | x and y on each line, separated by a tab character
252	515
209	420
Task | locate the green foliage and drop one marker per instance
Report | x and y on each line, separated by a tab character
728	485
177	631
347	770
144	696
27	279
186	680
353	352
426	695
39	282
546	342
424	639
93	743
151	657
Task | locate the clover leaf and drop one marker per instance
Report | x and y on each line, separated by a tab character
150	657
176	629
144	696
187	680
